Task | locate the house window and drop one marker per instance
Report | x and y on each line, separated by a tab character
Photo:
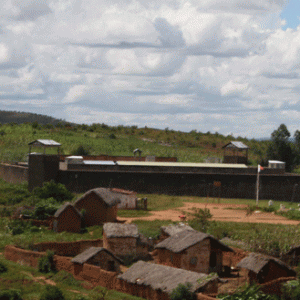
111	265
193	261
171	257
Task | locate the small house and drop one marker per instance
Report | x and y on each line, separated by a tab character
128	199
167	231
293	255
67	218
124	240
262	268
100	206
156	282
192	250
235	153
99	256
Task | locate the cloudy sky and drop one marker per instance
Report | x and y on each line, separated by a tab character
227	66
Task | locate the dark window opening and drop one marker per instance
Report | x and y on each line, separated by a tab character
213	260
111	265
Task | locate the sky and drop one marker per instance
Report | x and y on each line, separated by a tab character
231	67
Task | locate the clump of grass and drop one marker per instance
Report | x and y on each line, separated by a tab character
46	263
132	213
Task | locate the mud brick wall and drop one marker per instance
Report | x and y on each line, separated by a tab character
274	287
21	256
68	248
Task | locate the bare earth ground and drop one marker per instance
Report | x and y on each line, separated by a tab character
220	212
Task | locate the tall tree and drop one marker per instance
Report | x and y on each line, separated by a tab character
280	147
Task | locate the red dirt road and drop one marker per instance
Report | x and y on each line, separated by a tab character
220	212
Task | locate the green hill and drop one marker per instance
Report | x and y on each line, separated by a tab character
99	139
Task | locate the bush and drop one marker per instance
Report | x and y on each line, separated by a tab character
11	294
53	190
249	292
52	293
182	292
46	263
45	209
112	136
3	268
81	150
290	290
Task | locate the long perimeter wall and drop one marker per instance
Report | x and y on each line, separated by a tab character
235	183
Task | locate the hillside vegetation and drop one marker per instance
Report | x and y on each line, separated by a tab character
99	139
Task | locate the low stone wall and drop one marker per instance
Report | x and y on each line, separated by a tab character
68	248
13	173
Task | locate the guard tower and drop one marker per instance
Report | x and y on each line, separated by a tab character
42	167
235	153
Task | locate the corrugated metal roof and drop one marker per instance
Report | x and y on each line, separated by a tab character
179	164
99	162
48	143
236	144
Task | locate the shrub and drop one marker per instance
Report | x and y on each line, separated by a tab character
249	292
200	218
3	268
81	150
52	293
112	136
45	209
290	290
53	190
46	263
11	294
182	292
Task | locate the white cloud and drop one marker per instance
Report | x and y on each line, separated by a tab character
210	65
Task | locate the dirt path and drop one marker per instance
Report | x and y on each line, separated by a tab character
220	212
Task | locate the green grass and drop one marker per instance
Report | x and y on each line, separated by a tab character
132	213
22	277
26	239
97	139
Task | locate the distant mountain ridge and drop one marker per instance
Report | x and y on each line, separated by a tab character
24	117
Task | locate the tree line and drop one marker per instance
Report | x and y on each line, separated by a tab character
284	148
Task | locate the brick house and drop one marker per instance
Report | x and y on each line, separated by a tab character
167	231
128	199
124	240
262	268
67	218
100	206
156	282
191	250
100	257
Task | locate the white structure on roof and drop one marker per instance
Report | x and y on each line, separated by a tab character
276	164
74	160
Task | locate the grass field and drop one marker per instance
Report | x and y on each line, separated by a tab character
29	282
102	139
